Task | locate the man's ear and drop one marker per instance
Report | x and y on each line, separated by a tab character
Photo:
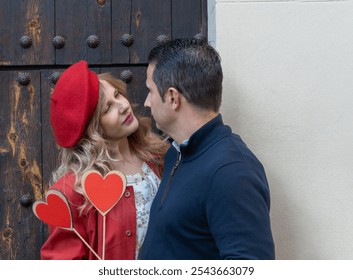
173	97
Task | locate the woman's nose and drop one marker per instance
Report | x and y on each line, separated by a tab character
124	106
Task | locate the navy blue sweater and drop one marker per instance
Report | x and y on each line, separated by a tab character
213	203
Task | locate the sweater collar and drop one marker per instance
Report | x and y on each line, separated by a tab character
203	137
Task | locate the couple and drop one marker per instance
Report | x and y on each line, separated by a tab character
200	195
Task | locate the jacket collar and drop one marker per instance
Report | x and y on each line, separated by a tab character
201	139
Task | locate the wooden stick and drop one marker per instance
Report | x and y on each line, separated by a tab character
84	241
103	247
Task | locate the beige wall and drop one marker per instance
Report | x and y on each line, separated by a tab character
288	91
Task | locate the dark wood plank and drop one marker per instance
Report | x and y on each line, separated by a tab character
122	38
186	18
50	156
49	147
34	19
149	21
20	167
76	21
204	18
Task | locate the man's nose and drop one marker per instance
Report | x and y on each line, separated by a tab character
147	101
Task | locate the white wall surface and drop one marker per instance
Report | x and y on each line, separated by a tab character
288	91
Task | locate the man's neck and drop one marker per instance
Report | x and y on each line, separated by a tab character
190	123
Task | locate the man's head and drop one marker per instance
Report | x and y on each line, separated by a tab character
193	68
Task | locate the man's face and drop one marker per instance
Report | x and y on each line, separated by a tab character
159	109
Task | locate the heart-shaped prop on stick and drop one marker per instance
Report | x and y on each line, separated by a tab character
55	211
105	192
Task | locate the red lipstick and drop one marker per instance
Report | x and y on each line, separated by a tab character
129	119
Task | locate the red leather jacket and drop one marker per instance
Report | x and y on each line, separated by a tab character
120	237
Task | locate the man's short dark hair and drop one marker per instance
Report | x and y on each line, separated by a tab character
191	66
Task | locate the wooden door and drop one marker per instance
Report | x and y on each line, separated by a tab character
21	233
38	40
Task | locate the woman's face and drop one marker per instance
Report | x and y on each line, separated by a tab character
117	119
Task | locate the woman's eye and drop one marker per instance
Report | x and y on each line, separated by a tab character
116	94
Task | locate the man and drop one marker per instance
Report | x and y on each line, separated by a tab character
213	201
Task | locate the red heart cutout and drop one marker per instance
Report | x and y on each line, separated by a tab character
105	192
55	211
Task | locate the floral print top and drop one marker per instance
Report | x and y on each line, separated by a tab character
145	188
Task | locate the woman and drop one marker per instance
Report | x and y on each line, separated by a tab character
94	123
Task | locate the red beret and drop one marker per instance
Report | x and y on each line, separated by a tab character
73	103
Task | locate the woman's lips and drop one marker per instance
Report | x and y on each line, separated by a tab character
129	119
